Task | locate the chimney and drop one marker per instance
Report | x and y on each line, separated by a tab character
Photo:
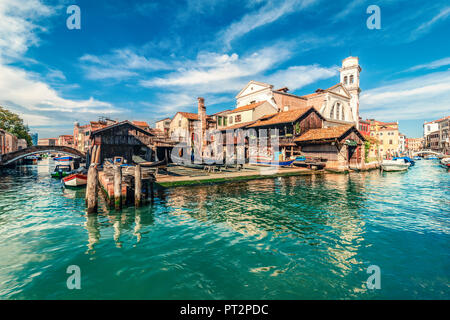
202	112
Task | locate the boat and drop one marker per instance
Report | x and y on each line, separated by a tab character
445	162
407	159
395	165
431	158
417	158
75	180
62	170
268	161
63	159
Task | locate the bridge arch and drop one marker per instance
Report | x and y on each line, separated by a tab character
9	158
427	152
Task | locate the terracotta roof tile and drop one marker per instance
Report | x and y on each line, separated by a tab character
238	126
282	117
248	107
140	123
194	116
323	133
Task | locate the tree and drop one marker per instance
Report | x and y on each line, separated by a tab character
12	123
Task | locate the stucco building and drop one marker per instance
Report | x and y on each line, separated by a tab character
339	104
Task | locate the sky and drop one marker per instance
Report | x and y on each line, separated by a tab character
146	60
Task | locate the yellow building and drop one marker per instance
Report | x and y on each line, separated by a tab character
388	137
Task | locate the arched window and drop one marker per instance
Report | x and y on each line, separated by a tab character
332	112
338	110
351	79
345	80
342	113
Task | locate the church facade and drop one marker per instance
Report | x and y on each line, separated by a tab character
338	104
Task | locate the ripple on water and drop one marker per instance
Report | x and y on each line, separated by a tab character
296	237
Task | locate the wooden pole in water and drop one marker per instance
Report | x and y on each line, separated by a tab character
92	190
152	194
117	187
137	186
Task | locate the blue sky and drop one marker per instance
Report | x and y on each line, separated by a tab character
145	60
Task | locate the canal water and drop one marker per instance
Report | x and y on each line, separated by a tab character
310	237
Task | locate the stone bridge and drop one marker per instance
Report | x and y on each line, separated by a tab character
9	158
427	152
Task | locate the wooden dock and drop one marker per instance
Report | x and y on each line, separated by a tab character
182	176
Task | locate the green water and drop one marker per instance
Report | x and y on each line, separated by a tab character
307	237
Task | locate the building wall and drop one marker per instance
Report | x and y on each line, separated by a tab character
444	137
2	142
337	108
10	142
179	126
429	127
21	144
251	115
163	125
255	92
288	101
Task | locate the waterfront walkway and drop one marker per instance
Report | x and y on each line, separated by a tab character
177	175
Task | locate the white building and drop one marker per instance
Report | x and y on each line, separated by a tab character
339	104
429	127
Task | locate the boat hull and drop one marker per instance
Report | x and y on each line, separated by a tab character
271	163
75	180
394	168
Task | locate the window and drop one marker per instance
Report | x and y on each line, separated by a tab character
345	80
286	108
179	123
342	113
332	112
390	141
219	121
351	79
338	110
231	119
225	121
237	118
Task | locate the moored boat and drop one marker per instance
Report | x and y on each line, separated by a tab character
395	165
63	159
61	170
267	161
75	180
407	159
445	162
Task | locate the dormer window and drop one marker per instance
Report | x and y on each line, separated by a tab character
286	108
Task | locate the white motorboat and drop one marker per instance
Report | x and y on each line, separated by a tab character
445	162
395	165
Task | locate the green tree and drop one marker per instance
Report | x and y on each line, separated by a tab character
12	123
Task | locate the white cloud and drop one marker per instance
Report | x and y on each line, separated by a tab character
217	70
432	65
296	77
19	88
425	27
25	91
348	9
269	13
120	64
18	30
409	99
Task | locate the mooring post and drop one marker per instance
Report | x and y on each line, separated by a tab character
92	189
151	181
117	187
137	185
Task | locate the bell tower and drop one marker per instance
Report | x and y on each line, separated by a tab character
350	80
